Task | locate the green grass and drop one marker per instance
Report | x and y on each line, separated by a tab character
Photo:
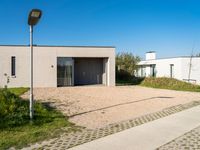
161	83
169	83
15	128
18	91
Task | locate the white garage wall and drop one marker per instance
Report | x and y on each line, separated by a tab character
45	63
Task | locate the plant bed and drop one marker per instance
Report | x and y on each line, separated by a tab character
16	129
132	81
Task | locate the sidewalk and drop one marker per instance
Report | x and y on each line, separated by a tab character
150	135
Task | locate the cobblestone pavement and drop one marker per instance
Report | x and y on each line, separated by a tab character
188	141
70	140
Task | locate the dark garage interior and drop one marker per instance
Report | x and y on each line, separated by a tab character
88	71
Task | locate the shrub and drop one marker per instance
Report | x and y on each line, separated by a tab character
123	75
15	128
15	112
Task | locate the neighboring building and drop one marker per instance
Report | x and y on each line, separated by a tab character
56	66
183	68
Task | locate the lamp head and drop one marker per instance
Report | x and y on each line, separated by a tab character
34	17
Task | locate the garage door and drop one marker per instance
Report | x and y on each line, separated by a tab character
88	71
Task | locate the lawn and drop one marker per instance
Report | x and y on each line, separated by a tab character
17	131
170	83
162	83
18	91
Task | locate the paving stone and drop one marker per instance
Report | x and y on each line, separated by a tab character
86	135
190	140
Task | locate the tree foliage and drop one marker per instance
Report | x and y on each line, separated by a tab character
126	65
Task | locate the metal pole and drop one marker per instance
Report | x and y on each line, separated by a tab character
190	67
31	72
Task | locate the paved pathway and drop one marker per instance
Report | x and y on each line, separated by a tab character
150	135
190	140
68	140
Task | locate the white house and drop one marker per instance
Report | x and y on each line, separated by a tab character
184	68
56	66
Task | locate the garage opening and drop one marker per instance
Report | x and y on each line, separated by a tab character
81	71
89	71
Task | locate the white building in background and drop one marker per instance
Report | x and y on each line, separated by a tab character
184	68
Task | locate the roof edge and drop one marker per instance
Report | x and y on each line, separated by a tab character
60	46
171	58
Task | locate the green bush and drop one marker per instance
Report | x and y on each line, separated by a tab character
123	75
129	81
15	112
16	129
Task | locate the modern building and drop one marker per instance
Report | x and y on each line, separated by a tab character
57	66
184	68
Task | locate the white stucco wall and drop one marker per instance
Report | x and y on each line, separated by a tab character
181	67
150	55
195	69
45	63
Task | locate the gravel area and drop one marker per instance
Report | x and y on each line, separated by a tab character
97	106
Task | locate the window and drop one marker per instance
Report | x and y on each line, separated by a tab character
13	66
171	70
153	70
143	71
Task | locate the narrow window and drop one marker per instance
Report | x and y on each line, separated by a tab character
13	66
143	71
153	70
171	70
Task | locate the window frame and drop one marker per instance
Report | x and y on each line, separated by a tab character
171	70
13	66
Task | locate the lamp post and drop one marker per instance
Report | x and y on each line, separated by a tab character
33	18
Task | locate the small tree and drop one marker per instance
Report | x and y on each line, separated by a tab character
126	65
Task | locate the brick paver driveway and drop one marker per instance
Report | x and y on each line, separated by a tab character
97	106
190	140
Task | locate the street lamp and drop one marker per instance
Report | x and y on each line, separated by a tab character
33	18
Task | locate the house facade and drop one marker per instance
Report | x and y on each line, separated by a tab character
57	66
184	68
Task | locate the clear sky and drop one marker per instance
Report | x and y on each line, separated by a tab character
169	27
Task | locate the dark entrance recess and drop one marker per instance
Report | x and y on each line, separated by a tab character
88	71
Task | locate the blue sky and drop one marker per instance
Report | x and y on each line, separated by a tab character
169	27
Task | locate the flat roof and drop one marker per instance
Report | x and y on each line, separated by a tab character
60	46
151	52
172	58
179	57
